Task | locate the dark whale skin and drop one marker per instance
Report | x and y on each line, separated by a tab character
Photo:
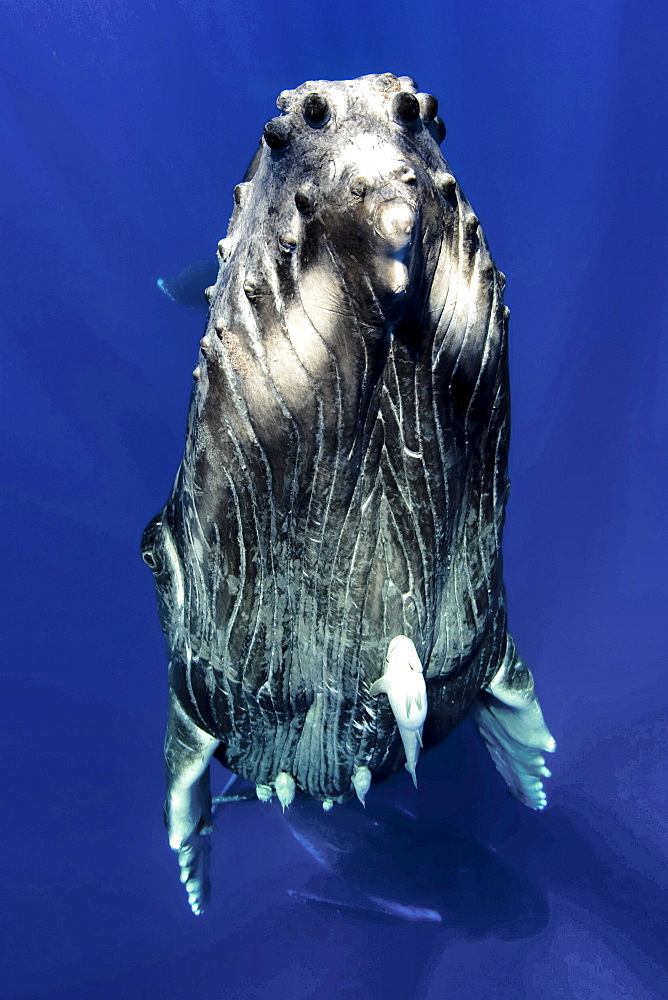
344	475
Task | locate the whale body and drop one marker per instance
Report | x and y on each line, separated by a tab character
329	558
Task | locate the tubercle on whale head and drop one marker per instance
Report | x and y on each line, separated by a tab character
327	128
326	105
350	168
320	119
357	159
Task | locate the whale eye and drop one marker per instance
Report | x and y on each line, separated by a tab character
151	556
315	110
406	107
277	133
150	544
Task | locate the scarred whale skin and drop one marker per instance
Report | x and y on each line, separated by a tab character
335	525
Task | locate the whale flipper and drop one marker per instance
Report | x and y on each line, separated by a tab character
188	753
511	723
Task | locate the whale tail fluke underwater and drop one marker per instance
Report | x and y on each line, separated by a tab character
188	286
328	563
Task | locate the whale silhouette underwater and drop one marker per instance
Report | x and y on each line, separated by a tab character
328	563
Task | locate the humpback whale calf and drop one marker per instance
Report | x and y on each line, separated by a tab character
328	563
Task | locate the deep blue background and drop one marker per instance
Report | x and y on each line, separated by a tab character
124	129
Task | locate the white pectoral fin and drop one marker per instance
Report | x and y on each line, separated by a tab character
188	752
511	723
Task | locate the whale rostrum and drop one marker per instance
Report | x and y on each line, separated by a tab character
328	562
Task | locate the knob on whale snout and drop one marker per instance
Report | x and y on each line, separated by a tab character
277	133
315	110
406	108
394	221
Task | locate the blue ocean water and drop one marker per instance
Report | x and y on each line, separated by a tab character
125	127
